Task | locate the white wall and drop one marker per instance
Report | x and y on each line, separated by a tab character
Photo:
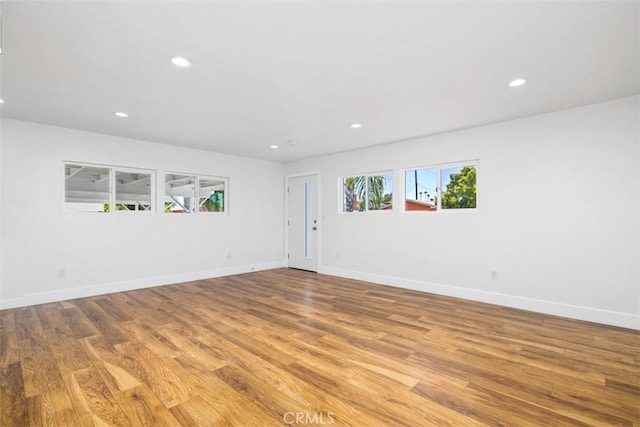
1	203
558	216
104	253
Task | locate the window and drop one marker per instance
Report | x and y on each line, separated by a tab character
179	193
87	188
93	188
133	191
459	187
441	188
211	195
367	193
182	192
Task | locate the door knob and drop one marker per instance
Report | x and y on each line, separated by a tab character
314	228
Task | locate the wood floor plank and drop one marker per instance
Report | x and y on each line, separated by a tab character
13	402
193	348
304	395
287	347
589	402
98	400
118	378
66	349
78	322
52	408
118	311
219	403
50	315
9	352
40	369
7	321
102	321
27	323
151	337
143	408
269	399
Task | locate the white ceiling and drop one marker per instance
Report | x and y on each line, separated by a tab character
271	72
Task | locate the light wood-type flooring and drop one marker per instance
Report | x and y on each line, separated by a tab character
286	347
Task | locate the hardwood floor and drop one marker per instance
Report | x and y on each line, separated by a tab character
287	347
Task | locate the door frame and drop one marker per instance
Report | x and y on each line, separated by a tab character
286	216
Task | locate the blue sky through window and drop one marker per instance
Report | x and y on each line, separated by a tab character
422	181
427	182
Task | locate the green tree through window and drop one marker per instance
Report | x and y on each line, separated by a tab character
461	190
367	192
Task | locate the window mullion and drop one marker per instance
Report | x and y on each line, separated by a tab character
439	191
112	191
196	195
366	193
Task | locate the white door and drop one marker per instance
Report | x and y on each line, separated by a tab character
302	222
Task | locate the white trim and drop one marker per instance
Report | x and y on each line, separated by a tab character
225	192
607	317
298	175
113	169
196	192
446	165
129	285
440	166
385	172
152	189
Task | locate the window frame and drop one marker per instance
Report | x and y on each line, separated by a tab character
440	167
152	190
366	176
111	188
225	197
196	192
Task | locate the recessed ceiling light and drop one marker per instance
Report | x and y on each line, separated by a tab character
1	101
180	61
355	125
517	82
120	114
273	146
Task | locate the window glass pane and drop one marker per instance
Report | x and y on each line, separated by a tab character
133	191
86	188
354	190
179	193
421	189
307	223
211	195
380	192
459	187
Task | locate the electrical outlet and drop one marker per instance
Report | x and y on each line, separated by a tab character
337	255
494	274
228	255
62	272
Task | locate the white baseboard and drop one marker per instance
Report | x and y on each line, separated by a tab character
129	285
614	318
